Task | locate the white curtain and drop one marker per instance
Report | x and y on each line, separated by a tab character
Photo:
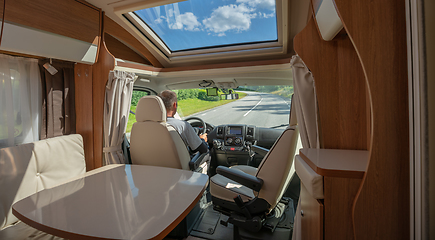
305	103
306	113
20	100
117	102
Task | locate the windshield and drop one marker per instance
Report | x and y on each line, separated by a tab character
262	106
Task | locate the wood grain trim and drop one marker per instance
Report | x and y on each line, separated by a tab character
88	4
100	75
54	231
204	67
312	220
340	93
67	18
339	196
114	29
84	117
378	32
119	50
332	172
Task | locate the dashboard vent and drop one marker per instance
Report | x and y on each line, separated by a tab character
220	131
250	132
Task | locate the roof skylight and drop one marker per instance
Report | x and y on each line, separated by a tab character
197	24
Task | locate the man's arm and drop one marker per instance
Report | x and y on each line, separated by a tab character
203	147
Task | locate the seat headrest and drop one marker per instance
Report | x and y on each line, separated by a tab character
150	108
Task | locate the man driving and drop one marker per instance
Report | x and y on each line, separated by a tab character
185	130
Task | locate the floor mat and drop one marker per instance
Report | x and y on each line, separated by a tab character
209	227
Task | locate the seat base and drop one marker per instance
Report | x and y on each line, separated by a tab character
255	206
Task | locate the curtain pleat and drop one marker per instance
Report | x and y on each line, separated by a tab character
58	101
119	89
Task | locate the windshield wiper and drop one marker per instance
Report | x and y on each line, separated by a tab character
282	125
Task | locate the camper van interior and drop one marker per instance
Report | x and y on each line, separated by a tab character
315	117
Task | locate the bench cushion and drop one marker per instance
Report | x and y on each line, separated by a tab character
28	168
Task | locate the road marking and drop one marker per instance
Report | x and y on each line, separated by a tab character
253	107
203	114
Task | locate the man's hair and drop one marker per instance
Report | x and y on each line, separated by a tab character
168	97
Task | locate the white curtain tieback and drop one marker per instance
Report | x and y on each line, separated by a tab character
112	149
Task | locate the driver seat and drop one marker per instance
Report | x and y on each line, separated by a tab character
247	194
153	142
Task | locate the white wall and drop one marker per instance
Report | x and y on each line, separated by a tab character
40	43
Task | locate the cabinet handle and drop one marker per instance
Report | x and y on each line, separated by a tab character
302	213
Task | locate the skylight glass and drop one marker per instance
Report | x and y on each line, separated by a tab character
196	24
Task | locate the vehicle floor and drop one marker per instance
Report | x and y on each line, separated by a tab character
208	226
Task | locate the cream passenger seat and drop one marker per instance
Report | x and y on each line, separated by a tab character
154	143
260	189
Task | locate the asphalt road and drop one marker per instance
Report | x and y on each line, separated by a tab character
259	109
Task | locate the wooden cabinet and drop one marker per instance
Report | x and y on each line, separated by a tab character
342	172
311	216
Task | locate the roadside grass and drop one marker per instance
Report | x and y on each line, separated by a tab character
285	92
187	107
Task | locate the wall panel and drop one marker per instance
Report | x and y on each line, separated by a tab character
83	101
340	88
67	17
378	32
119	50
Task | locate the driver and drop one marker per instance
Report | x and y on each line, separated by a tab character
186	131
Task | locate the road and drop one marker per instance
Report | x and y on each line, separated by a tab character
259	109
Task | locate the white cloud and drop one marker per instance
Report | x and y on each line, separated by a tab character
265	15
189	21
266	4
159	20
229	17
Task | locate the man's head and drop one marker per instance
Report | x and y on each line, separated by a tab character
170	100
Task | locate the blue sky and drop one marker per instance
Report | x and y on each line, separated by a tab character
203	23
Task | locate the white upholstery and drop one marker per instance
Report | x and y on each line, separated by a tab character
312	181
152	141
29	168
227	189
150	108
276	165
274	170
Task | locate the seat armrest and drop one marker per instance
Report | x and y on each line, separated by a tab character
260	150
197	160
243	178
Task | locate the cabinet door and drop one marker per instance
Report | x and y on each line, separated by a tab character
311	216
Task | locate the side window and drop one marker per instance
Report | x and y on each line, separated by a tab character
20	94
137	94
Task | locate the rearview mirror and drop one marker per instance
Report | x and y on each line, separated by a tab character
212	91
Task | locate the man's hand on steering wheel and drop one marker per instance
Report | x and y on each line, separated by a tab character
203	136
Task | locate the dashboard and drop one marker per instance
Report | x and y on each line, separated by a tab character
230	143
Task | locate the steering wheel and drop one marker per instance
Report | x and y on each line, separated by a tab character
198	129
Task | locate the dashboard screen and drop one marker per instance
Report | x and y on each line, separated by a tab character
236	130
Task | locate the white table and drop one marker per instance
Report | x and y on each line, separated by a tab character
115	202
